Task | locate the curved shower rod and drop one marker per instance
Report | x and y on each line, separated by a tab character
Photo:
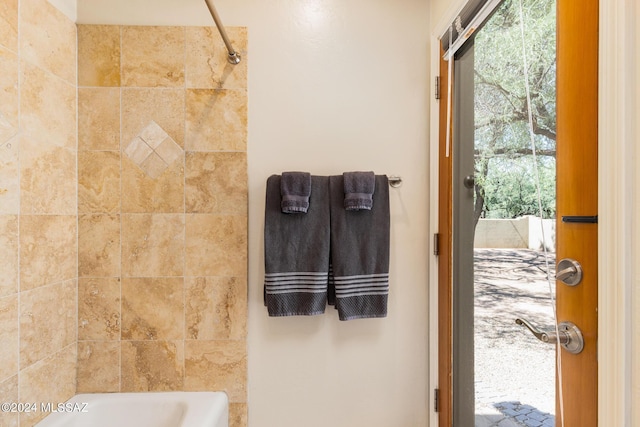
234	57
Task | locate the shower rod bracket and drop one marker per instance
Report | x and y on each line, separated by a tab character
234	58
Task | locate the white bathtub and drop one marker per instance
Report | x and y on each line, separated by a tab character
162	409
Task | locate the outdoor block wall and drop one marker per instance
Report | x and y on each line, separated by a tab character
525	232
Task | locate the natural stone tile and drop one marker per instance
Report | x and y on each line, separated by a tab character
8	255
48	38
98	367
217	365
48	149
153	150
216	308
152	245
169	151
9	24
10	176
98	181
48	178
153	135
238	415
9	393
216	120
142	348
153	56
48	321
216	245
98	55
8	93
99	309
153	308
162	106
207	66
99	118
216	183
47	109
50	380
144	193
152	366
9	337
138	150
48	249
153	166
9	146
98	245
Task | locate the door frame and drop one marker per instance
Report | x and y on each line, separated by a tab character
616	262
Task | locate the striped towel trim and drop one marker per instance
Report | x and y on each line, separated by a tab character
361	285
303	282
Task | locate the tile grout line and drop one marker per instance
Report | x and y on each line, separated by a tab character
77	185
184	210
19	216
121	151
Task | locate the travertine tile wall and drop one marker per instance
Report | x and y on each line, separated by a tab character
38	206
162	201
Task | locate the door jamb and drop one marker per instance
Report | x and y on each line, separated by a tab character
617	247
434	190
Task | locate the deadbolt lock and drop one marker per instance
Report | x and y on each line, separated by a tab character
569	272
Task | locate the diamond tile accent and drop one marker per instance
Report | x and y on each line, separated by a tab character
138	150
169	151
153	150
153	166
153	134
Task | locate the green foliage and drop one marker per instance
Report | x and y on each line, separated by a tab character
511	191
505	170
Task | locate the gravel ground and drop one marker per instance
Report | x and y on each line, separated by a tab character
511	365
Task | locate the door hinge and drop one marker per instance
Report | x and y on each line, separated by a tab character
436	244
437	87
436	400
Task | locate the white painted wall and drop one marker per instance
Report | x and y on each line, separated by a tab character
334	86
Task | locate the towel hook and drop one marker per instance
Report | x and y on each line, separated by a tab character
395	181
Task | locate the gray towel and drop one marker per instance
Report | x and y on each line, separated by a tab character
296	252
358	190
295	189
360	253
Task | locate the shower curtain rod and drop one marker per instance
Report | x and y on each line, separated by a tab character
234	57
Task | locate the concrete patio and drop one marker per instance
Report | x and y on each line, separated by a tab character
514	372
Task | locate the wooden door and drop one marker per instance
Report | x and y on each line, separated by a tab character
445	268
577	196
577	129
